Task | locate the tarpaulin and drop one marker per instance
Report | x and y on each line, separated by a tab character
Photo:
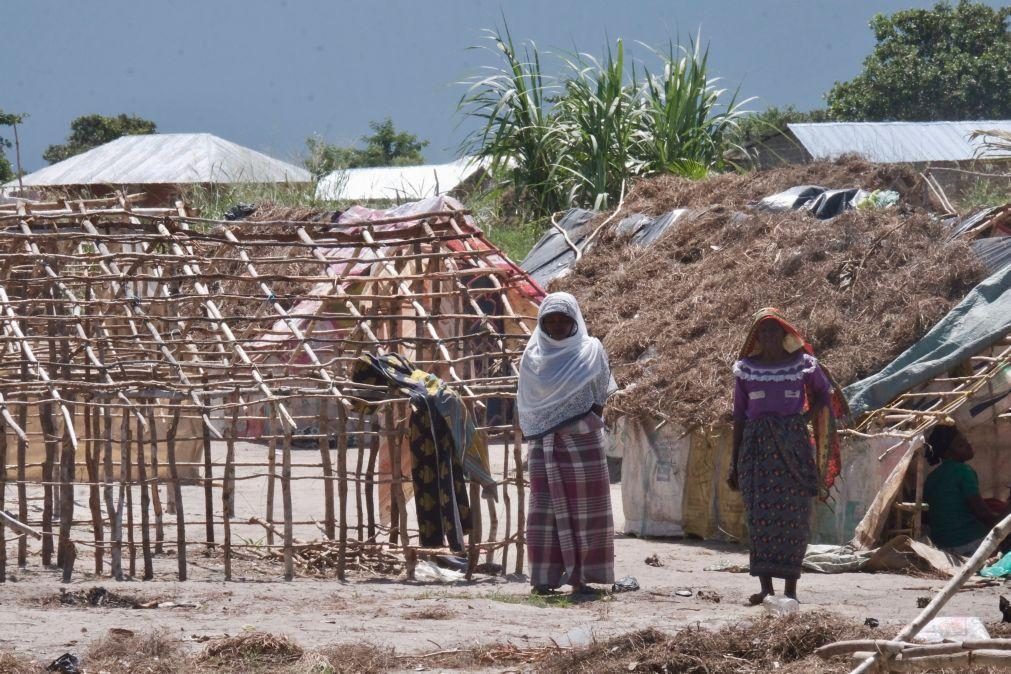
977	322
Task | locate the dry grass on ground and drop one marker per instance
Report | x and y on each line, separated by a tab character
862	286
767	644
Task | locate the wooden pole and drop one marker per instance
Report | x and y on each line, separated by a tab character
271	472
228	486
370	478
521	516
323	426
115	511
289	562
208	479
68	553
342	494
159	524
3	503
968	570
170	442
49	440
92	451
22	468
145	504
126	471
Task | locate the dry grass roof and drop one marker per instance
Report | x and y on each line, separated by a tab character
862	286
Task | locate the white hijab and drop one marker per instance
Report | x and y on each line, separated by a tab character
561	379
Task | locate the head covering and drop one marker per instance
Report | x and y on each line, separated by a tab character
826	436
792	339
561	379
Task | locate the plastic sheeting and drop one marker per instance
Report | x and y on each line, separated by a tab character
864	472
552	255
652	478
822	203
978	321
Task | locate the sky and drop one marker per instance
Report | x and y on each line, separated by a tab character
269	73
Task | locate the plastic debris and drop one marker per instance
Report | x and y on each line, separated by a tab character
626	584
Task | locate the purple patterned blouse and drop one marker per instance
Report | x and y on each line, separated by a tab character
777	389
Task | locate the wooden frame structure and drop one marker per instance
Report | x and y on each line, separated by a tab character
155	364
912	415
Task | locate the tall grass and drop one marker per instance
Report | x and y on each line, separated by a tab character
517	134
576	141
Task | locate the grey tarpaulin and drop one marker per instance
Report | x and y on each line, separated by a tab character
993	251
978	321
552	255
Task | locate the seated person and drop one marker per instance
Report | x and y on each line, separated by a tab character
959	517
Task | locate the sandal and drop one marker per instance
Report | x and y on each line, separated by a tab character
757	598
543	590
586	590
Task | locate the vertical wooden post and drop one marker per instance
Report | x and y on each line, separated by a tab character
271	471
521	496
228	485
48	426
145	504
342	494
393	447
68	456
159	524
370	476
50	440
67	553
506	499
115	511
3	502
918	510
359	437
323	426
92	449
22	469
208	480
170	441
402	444
289	562
126	473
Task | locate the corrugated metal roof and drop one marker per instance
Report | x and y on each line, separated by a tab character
397	182
893	142
167	158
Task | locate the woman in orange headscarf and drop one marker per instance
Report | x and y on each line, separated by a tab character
778	464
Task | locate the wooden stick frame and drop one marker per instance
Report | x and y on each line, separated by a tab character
145	345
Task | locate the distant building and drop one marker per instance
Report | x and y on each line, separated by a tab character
878	142
400	183
161	165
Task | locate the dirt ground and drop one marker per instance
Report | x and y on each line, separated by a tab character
427	616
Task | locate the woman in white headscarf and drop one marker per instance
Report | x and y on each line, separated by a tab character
563	384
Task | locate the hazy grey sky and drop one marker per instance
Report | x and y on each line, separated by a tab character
268	73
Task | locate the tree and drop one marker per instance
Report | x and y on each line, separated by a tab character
91	131
945	63
384	147
772	120
12	120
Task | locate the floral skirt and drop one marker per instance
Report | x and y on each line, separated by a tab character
778	479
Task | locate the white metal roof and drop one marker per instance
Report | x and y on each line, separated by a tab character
893	142
396	182
167	158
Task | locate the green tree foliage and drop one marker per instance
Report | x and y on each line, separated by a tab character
772	120
385	146
12	120
91	131
945	63
578	140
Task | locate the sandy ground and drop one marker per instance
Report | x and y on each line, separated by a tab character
420	617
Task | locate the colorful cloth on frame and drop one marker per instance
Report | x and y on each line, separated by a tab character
445	447
778	480
570	530
825	424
